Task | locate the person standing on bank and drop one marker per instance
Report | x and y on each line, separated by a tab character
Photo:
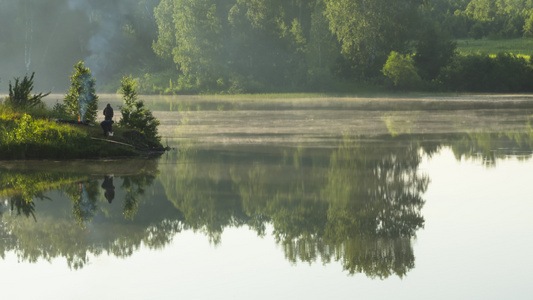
108	112
107	124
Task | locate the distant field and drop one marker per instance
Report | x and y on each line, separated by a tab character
520	47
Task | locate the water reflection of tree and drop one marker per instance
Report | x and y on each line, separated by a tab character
84	197
54	233
375	197
359	204
198	186
490	147
360	207
22	188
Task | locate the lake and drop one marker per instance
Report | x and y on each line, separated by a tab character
285	198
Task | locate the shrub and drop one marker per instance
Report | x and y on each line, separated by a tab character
134	113
401	70
20	93
481	73
26	137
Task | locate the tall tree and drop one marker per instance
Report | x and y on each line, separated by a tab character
271	39
323	49
369	30
81	99
226	44
135	114
194	39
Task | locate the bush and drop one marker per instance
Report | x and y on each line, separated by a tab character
481	73
20	93
26	137
401	70
134	113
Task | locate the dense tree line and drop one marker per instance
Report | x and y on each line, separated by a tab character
328	45
239	46
252	46
485	18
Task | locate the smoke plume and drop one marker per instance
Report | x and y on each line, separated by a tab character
106	18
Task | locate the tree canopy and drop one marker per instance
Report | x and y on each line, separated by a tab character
238	46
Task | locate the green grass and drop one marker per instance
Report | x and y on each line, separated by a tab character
25	137
520	47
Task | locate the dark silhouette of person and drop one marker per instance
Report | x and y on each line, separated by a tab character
107	124
108	112
109	188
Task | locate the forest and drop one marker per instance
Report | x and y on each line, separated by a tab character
260	46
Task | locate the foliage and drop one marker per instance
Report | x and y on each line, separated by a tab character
433	51
20	93
81	99
483	18
369	30
481	73
134	113
528	25
244	46
401	70
238	46
26	137
59	111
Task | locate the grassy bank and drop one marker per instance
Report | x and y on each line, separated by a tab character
23	136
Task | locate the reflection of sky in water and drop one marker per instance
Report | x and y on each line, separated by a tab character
476	244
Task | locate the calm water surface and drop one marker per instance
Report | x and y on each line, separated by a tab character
337	198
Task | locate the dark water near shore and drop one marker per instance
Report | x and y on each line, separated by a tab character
285	198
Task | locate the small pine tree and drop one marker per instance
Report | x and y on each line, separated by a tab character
20	93
134	114
81	99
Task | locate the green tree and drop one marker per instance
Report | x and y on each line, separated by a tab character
194	39
324	50
401	70
482	10
166	39
434	50
134	113
369	30
528	26
241	46
81	99
20	93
